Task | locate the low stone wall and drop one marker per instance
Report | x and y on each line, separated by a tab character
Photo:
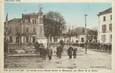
22	48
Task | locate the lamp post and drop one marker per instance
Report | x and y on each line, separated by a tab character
86	33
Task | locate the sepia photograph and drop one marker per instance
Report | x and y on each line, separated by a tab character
58	36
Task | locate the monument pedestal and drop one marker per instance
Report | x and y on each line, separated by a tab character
42	40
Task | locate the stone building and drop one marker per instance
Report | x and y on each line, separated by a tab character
25	30
105	27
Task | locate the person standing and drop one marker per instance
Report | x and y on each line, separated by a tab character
74	52
70	50
59	51
37	46
49	52
42	50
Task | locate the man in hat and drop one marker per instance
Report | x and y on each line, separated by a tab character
70	51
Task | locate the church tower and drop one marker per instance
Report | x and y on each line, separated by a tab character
6	27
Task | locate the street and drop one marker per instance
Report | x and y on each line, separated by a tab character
91	60
58	36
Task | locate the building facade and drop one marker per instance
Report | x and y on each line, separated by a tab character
26	30
105	26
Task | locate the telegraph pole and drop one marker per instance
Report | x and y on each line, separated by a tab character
86	33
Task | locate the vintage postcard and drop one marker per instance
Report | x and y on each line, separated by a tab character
57	36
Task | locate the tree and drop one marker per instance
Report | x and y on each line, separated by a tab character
81	31
54	24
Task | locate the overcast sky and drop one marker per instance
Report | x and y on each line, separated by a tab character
72	12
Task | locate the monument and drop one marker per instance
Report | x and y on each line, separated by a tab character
40	29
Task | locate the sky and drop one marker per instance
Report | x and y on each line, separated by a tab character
73	13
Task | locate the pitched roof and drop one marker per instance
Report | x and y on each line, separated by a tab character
31	15
109	10
17	20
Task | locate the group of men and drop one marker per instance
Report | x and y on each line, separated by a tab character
72	52
48	52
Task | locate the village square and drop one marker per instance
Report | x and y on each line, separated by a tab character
46	41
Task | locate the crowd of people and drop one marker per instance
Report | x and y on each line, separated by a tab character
48	52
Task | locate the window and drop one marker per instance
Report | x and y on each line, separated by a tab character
11	40
33	21
110	17
27	39
103	28
110	27
104	18
111	38
17	39
27	30
34	30
34	39
103	38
